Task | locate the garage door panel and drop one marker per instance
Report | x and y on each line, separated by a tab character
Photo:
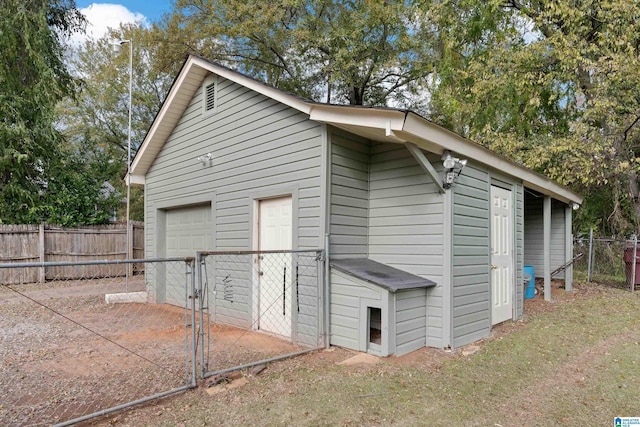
188	230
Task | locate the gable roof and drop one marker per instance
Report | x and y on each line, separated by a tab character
376	123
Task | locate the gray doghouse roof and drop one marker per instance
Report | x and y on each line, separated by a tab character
379	274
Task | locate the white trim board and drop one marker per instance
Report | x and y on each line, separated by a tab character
383	124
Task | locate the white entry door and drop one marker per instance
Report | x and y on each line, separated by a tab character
275	223
502	279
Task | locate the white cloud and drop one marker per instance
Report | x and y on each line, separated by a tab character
101	17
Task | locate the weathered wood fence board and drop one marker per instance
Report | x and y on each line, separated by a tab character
50	243
137	245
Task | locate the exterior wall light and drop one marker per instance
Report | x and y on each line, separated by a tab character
453	167
206	159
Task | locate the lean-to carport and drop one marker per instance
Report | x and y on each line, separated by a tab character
548	237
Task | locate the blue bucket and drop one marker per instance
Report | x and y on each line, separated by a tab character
530	290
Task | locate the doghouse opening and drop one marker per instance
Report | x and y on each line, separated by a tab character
375	325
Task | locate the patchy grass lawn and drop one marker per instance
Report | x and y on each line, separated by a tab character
573	362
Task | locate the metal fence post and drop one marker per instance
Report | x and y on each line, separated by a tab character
634	259
42	252
194	346
148	342
201	296
327	294
590	255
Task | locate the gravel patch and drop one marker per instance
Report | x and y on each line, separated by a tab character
73	354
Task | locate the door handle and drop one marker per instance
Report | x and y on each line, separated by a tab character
494	267
260	273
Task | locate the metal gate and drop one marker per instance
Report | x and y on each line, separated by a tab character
92	338
258	306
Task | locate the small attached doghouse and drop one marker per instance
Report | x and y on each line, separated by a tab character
377	308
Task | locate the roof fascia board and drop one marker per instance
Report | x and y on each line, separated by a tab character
166	106
397	124
255	85
176	89
434	134
568	198
135	180
389	120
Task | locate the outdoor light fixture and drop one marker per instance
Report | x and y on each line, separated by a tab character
575	206
453	166
207	158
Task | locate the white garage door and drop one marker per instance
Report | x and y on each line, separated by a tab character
188	230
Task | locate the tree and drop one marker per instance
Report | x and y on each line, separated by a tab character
357	52
76	192
553	85
96	122
33	79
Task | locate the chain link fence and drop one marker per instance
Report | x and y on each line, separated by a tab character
258	307
608	261
77	348
72	349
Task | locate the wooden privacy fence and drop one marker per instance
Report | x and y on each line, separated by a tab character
50	243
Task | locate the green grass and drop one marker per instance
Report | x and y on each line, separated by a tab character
617	279
576	365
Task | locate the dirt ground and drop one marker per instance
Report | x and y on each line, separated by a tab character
66	353
427	360
81	355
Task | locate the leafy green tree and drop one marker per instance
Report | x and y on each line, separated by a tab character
96	122
33	79
76	192
553	85
355	52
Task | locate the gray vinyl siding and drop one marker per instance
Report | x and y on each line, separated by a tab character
411	320
307	318
258	146
349	191
519	208
471	256
406	227
346	309
229	289
534	235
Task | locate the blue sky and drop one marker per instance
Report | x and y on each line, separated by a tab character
103	15
151	9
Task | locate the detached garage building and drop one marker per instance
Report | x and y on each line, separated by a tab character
233	164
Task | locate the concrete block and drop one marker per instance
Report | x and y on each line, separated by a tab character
126	297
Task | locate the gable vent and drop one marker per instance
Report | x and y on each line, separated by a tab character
210	97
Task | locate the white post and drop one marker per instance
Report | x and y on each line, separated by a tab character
129	159
128	180
546	219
